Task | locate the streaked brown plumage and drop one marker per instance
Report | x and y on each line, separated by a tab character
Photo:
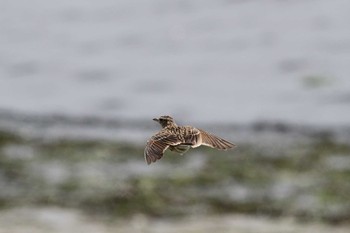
180	139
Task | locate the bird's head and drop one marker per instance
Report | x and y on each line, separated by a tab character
165	121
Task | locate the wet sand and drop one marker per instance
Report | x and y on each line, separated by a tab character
60	220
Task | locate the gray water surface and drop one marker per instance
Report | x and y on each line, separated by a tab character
201	61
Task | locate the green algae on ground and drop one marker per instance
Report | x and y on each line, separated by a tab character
108	178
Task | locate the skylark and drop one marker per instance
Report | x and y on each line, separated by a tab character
180	139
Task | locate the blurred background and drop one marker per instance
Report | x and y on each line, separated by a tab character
81	80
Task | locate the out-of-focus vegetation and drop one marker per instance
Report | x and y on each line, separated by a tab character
307	180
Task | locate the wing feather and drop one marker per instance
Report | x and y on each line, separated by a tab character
215	141
157	144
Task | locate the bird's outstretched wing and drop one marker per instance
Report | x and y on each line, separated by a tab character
158	143
215	141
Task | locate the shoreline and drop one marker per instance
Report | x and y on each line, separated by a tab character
58	126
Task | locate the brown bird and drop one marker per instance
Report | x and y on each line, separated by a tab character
180	139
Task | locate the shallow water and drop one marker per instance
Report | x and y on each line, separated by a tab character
203	61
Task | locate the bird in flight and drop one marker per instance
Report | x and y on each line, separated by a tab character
179	139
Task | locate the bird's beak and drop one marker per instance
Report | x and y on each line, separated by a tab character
156	119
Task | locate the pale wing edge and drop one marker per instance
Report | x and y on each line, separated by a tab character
215	141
